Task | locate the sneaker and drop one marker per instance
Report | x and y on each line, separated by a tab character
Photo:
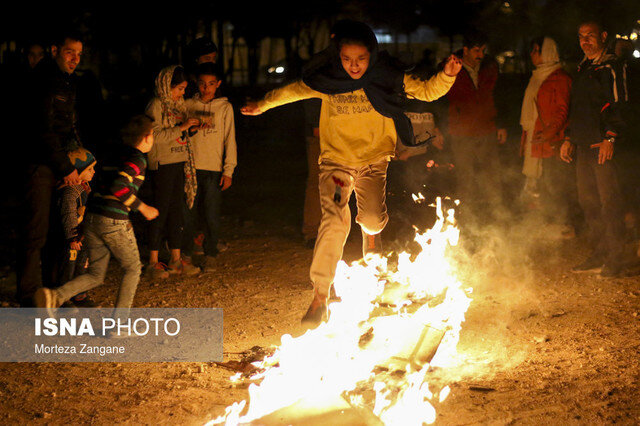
592	264
48	299
157	271
222	246
83	300
182	267
317	312
612	270
371	244
208	264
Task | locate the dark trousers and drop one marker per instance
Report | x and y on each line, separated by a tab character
39	189
71	263
205	213
601	200
168	198
560	200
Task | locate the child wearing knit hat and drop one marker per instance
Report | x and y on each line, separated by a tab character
71	201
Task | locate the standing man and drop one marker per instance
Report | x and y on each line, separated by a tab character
594	126
472	125
52	134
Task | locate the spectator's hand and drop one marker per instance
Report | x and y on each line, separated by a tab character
438	140
75	245
566	151
606	150
251	108
225	182
148	212
192	122
453	66
502	136
72	178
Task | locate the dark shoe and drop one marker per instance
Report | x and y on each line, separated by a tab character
157	271
83	300
611	270
184	267
592	264
371	245
317	312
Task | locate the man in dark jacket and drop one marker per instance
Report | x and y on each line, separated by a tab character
53	133
475	133
595	124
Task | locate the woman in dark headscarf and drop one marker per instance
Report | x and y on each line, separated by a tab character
362	115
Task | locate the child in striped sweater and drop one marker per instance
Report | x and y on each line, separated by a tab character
107	229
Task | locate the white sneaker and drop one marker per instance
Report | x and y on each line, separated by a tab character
47	298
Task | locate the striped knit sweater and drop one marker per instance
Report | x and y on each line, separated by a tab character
116	189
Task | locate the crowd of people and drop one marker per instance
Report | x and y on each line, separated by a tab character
367	111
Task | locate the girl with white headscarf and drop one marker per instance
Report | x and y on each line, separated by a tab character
172	168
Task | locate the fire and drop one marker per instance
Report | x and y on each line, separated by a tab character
391	325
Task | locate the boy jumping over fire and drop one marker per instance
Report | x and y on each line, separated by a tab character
363	93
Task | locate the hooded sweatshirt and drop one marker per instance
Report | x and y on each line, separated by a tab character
214	148
352	132
360	119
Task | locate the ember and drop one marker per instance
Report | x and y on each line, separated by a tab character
374	353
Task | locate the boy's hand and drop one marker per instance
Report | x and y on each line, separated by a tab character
251	108
75	245
72	178
148	212
225	182
453	66
192	122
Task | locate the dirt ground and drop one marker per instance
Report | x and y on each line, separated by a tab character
539	344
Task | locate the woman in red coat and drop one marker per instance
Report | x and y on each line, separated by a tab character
543	118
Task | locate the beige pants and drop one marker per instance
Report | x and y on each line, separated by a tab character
312	212
336	184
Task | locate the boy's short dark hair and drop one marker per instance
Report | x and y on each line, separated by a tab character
474	38
62	36
209	68
136	129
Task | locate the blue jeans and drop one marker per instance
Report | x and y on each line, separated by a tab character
105	237
205	214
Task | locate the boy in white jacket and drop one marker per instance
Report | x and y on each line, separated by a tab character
214	148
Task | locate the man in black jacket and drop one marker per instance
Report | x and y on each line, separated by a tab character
51	97
595	124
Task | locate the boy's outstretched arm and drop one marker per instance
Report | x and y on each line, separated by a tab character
293	92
